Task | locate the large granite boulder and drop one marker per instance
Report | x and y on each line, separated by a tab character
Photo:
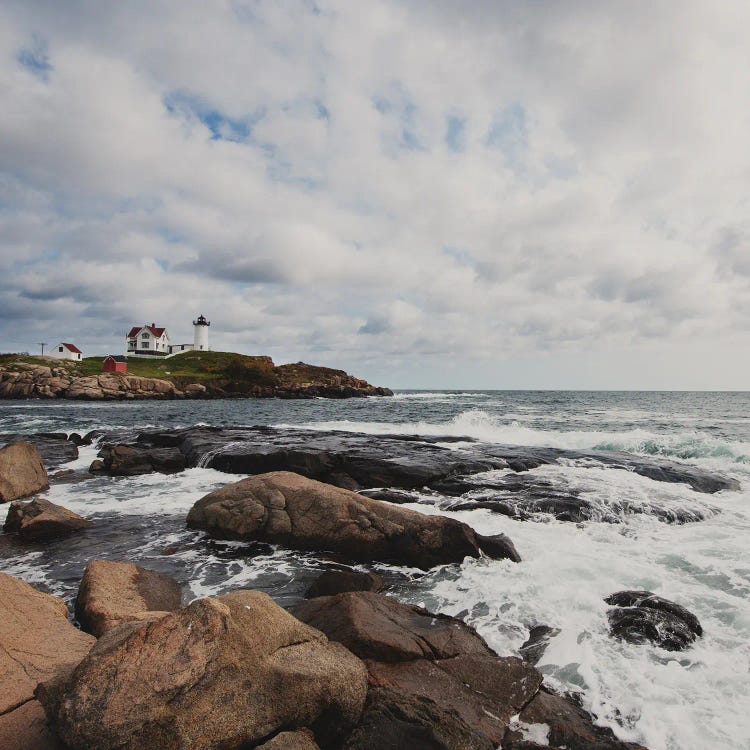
220	673
301	513
55	448
22	472
641	617
36	639
112	593
40	520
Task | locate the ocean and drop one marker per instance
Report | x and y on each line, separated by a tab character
692	700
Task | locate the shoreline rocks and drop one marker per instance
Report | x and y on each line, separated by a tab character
23	380
40	520
113	593
22	472
300	513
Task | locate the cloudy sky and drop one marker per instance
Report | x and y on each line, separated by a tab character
427	194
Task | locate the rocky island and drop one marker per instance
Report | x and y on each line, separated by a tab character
193	374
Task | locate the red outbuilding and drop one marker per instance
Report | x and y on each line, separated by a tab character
115	363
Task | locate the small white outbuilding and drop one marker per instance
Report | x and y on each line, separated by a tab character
65	350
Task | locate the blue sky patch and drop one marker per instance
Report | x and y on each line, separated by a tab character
35	58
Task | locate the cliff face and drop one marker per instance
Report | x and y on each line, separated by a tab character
258	379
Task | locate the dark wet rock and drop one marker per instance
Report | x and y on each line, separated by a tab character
228	672
21	472
534	647
569	726
485	691
332	582
498	547
405	462
69	476
123	460
112	593
374	626
300	513
39	520
641	617
394	720
391	496
54	447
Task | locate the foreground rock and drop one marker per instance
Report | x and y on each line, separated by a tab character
332	582
40	520
113	593
302	740
22	472
642	617
36	639
300	513
219	673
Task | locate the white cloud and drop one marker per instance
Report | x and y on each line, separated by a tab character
288	169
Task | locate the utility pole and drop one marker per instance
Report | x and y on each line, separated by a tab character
42	344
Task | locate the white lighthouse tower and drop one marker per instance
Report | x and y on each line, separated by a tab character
200	334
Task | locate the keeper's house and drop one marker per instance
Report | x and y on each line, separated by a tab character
66	351
147	341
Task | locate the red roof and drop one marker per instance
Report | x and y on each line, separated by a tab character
73	348
156	331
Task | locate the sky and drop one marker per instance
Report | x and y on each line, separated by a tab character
428	194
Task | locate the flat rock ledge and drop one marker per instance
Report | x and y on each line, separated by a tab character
299	513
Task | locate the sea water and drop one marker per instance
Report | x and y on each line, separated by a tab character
692	700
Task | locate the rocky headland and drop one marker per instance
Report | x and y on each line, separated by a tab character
207	376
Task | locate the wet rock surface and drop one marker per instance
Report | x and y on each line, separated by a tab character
300	513
642	617
534	647
112	593
39	520
566	724
22	472
402	468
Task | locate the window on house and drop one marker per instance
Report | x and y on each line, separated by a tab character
144	345
144	335
59	349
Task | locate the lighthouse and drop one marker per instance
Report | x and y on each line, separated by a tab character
200	334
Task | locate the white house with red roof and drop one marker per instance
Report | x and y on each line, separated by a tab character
148	341
65	350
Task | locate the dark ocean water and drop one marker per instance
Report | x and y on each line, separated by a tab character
694	700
